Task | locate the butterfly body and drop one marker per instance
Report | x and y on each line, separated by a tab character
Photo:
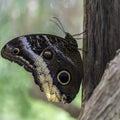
55	63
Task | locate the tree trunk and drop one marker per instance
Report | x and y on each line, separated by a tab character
102	39
104	103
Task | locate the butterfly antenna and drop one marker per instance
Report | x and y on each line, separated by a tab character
59	24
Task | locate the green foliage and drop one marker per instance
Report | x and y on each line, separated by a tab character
15	83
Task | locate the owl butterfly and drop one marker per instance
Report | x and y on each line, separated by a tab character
54	62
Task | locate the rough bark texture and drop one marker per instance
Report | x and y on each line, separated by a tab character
104	104
102	39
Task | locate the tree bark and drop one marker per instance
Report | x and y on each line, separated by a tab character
102	39
104	104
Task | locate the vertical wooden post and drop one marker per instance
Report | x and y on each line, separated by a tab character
102	39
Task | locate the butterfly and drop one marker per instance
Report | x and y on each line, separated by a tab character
54	62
